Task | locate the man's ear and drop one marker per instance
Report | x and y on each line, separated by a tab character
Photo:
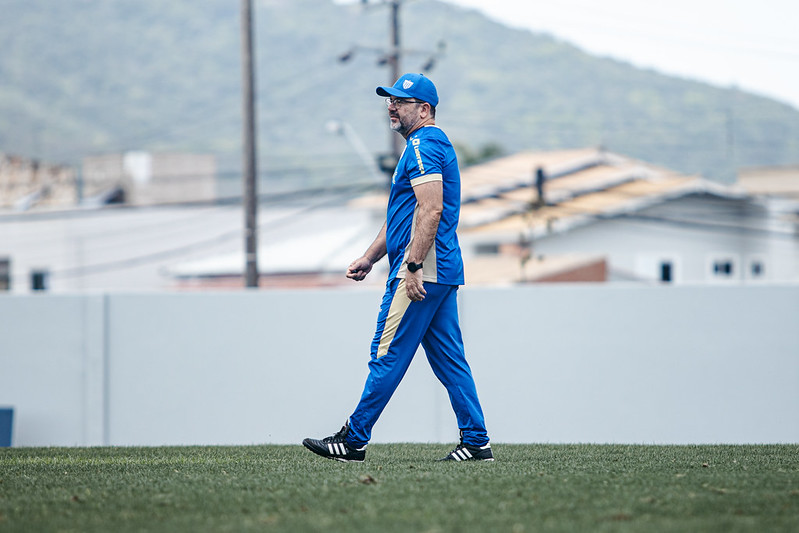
427	112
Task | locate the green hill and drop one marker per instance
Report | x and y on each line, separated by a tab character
81	77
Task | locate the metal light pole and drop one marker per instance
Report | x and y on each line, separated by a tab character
250	148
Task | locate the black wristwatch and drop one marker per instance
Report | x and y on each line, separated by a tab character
413	267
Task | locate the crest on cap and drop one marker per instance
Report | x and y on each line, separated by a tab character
412	86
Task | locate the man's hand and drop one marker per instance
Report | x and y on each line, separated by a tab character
414	287
359	268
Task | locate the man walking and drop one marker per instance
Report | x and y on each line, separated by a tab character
426	269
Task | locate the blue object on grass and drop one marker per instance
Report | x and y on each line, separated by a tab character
6	423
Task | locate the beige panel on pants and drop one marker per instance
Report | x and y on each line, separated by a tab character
399	304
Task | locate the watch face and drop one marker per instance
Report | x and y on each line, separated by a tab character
413	267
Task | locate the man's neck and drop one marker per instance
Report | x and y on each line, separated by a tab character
422	124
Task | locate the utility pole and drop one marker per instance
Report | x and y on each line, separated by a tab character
394	60
250	148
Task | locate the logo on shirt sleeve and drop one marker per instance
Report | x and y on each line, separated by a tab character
416	143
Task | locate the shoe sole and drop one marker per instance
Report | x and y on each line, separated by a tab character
452	457
340	459
491	460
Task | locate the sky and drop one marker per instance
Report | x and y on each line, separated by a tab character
748	44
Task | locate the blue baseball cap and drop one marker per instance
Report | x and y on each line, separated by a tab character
412	86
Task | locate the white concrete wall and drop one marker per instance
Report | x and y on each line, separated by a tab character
557	363
52	368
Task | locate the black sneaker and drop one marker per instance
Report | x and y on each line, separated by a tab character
464	452
336	447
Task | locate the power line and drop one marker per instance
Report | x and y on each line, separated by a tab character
391	57
677	222
221	238
122	237
708	226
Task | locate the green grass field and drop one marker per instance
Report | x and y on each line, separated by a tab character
401	488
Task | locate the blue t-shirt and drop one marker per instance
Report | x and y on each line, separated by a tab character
428	156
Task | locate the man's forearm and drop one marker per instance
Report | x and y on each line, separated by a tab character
429	196
425	234
377	249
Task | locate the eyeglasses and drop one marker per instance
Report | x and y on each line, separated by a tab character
396	102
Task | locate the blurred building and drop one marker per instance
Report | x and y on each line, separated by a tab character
145	178
593	215
135	178
780	181
189	246
651	224
25	183
532	217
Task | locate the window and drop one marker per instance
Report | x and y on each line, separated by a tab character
487	249
656	267
726	267
722	268
666	271
756	268
5	274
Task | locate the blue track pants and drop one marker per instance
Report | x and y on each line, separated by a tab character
401	326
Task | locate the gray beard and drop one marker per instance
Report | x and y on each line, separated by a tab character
395	126
398	126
